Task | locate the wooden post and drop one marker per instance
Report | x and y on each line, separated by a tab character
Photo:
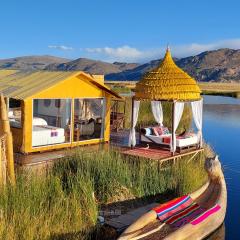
23	123
124	113
1	166
9	141
7	104
72	128
132	118
117	114
173	114
2	161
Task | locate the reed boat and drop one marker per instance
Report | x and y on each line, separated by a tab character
210	200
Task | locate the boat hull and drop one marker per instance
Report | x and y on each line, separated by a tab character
213	193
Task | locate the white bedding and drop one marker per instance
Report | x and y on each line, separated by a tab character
39	122
181	142
46	135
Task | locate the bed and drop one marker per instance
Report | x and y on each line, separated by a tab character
184	141
43	134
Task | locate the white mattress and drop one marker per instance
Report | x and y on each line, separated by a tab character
181	142
47	135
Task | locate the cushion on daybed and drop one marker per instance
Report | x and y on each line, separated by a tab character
158	131
146	131
155	131
39	122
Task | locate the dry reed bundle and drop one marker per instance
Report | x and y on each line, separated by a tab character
167	82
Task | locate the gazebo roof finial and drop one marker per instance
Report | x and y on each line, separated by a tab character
168	47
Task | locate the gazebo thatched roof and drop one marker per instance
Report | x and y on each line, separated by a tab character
167	82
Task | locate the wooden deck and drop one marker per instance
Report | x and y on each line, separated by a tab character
156	153
118	140
46	159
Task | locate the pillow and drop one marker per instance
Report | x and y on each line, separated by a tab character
188	135
165	130
148	131
158	131
39	122
10	114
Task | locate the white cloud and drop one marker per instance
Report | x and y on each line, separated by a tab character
60	47
130	54
196	48
121	53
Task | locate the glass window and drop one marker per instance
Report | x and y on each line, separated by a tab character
57	103
47	102
88	119
51	123
15	113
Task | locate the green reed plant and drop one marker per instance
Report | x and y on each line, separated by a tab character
64	203
114	175
40	208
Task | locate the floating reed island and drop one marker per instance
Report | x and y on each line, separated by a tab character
67	201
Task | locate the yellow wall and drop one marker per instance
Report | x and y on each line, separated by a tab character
70	88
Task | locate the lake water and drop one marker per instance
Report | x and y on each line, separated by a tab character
221	129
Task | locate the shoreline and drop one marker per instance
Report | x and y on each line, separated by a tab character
234	94
210	88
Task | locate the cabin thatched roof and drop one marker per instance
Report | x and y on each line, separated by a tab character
24	84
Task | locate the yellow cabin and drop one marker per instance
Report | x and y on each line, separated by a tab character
53	110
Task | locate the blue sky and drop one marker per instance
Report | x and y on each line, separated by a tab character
110	30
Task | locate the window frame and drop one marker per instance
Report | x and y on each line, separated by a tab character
71	123
103	120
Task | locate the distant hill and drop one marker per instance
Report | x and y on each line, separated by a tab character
30	62
135	73
92	66
221	65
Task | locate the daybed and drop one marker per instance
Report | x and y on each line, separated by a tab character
147	135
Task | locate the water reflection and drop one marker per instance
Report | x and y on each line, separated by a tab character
220	100
229	113
221	128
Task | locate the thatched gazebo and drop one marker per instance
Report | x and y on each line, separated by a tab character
169	83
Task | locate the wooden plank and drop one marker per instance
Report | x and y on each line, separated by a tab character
160	154
123	221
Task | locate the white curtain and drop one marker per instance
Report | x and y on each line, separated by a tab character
197	110
178	111
157	112
132	134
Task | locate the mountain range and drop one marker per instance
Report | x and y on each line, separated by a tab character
31	62
222	65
